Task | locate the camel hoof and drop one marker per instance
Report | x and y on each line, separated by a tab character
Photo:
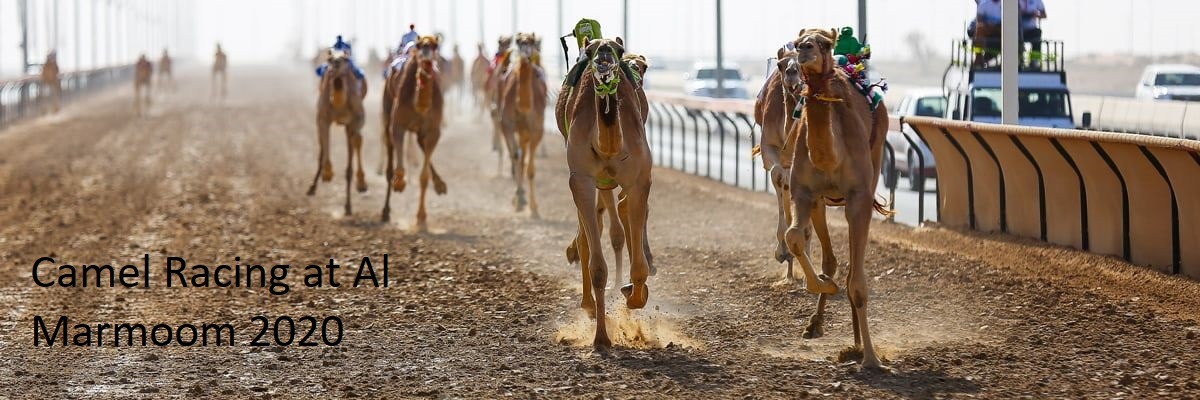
348	210
634	298
815	328
398	184
312	190
439	187
362	186
602	344
822	285
387	216
782	255
327	172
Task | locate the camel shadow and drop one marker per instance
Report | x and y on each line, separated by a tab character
676	364
918	384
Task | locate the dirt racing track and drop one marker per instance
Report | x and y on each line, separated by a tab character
486	306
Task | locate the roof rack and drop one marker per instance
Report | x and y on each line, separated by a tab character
985	55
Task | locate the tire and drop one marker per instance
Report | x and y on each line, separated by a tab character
891	176
916	181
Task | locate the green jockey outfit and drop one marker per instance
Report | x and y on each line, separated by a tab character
585	30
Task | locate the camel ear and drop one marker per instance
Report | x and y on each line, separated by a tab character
801	34
833	34
620	41
779	54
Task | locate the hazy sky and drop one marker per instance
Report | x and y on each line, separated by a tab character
272	30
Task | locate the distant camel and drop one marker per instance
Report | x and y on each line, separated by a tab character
523	115
412	102
165	79
341	102
479	78
143	72
52	83
497	72
219	75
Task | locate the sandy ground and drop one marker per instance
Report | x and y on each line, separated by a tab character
485	305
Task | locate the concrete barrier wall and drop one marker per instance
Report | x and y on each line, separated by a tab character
1132	196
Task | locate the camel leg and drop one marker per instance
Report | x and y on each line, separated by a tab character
349	167
583	191
398	180
516	156
783	221
616	233
582	256
356	142
530	172
859	207
816	322
387	197
797	242
637	293
323	142
428	142
623	215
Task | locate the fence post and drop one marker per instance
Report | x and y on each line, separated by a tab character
721	146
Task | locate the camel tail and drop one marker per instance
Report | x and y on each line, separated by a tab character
879	206
755	151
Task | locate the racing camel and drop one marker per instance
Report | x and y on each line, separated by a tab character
620	219
479	77
142	73
218	73
52	83
606	148
341	102
773	111
497	72
412	102
522	107
165	79
838	158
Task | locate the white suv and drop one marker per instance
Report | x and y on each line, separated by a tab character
1170	82
702	81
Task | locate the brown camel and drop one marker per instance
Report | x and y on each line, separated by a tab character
497	72
479	77
142	73
341	102
522	107
458	74
617	221
607	148
166	81
838	158
219	77
412	102
773	111
51	83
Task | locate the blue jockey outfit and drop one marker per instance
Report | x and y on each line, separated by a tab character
406	44
343	46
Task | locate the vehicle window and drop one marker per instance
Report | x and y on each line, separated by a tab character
1177	79
931	107
1034	103
711	73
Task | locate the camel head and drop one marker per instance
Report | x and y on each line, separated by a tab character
504	43
339	67
529	45
788	65
815	50
636	62
426	49
605	56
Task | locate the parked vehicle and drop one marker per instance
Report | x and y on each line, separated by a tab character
1170	82
702	81
925	103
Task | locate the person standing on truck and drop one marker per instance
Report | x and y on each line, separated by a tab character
1032	11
